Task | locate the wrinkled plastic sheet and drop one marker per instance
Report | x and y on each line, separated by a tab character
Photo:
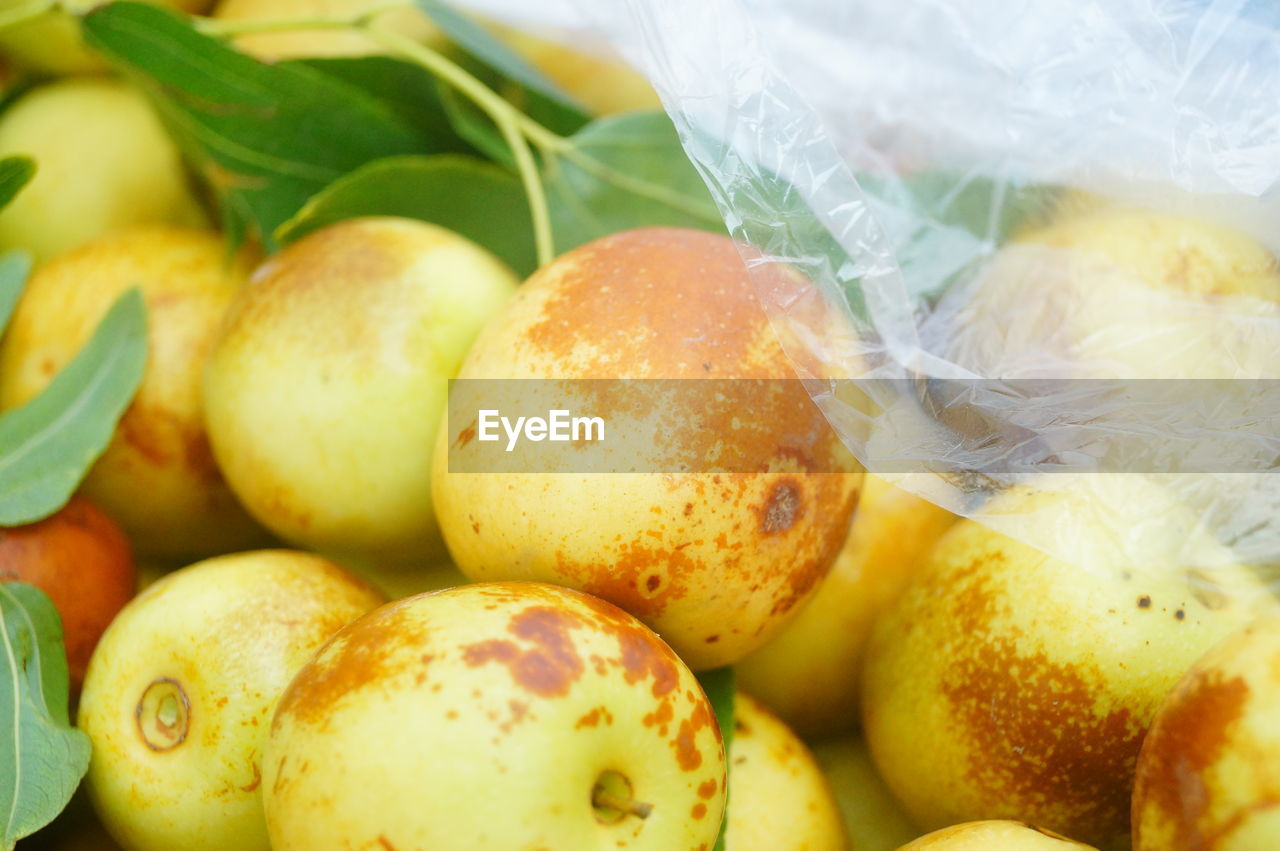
895	151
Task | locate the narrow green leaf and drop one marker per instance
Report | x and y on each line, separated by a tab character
469	196
625	171
487	58
489	50
15	172
411	92
48	444
266	136
720	688
42	757
14	268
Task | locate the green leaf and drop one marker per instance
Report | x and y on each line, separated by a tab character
469	196
941	223
470	122
410	91
15	172
718	684
266	137
42	757
14	268
531	91
48	444
622	172
992	207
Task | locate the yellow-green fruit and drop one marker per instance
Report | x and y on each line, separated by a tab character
714	563
406	21
809	673
1207	772
604	86
994	836
1006	683
103	163
781	798
398	582
1166	252
180	691
873	819
325	388
1123	293
51	43
157	478
506	715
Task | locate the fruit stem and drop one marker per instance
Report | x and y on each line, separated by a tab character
623	804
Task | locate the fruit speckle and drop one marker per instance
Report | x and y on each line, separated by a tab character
782	509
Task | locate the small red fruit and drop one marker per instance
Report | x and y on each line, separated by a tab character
82	560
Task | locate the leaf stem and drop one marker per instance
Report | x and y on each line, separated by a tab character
635	186
539	210
517	129
511	122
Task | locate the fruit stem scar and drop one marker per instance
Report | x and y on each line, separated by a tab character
611	799
603	800
163	714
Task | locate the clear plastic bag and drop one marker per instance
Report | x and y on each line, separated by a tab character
916	159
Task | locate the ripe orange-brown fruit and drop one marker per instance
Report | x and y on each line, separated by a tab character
81	559
507	715
714	562
1206	777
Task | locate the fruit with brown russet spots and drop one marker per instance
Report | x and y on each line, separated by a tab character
714	562
1008	683
496	715
1206	775
157	478
810	672
180	691
81	559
